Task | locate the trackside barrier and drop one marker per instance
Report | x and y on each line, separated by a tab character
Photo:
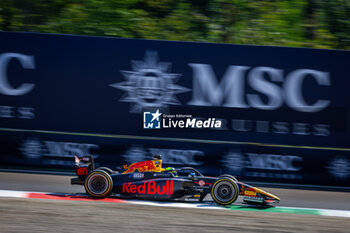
282	111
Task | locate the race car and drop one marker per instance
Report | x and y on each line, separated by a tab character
149	180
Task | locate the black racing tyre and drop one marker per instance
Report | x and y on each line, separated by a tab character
106	169
98	184
224	191
229	176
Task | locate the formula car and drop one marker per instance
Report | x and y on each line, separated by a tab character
148	180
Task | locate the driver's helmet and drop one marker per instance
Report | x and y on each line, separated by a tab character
171	170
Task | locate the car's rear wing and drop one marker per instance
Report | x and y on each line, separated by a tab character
84	165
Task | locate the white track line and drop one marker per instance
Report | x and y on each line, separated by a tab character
324	212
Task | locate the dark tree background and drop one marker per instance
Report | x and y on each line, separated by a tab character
301	23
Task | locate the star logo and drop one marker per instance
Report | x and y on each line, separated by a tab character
151	120
150	84
156	115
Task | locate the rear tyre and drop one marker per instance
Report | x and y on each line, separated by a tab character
106	169
98	184
224	191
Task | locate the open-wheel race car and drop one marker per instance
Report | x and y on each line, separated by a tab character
148	180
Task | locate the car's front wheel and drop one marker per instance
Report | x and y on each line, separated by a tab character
229	176
98	184
224	191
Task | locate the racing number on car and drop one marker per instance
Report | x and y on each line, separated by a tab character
82	171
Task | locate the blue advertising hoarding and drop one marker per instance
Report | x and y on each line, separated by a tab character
282	111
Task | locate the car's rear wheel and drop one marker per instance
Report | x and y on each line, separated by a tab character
224	191
98	184
106	169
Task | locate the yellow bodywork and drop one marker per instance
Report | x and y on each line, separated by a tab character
266	193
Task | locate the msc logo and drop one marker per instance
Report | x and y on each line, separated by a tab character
151	120
150	84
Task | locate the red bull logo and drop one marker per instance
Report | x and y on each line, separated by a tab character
149	187
144	166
